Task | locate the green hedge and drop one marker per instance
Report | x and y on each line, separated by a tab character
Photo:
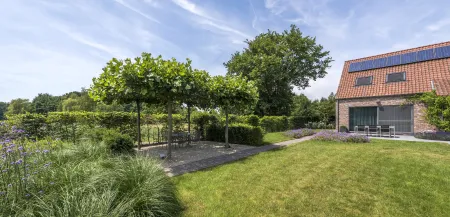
274	123
237	134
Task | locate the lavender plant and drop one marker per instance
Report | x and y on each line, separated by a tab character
331	135
22	165
299	133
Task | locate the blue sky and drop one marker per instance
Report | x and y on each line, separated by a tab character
49	46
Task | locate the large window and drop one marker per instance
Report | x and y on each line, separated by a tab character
399	116
362	116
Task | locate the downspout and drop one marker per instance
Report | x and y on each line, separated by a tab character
432	85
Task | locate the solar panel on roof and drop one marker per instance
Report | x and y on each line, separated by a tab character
393	60
409	57
358	66
365	65
425	55
442	52
379	63
352	67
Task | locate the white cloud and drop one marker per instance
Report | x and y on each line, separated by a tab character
439	25
137	11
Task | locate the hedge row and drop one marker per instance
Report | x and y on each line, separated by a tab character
70	126
237	134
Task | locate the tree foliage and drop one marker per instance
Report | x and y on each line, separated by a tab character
19	106
3	109
278	62
437	109
44	103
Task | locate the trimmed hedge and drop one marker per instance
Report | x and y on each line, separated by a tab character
274	123
237	134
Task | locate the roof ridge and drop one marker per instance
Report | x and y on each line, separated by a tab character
399	51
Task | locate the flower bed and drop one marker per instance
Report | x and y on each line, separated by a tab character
329	135
299	133
433	135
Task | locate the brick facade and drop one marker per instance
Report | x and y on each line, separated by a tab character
343	105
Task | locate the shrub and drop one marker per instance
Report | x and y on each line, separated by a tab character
330	126
118	143
299	133
274	123
321	125
343	129
237	134
296	122
331	135
35	125
433	135
252	120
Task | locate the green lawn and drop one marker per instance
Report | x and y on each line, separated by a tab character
382	178
270	138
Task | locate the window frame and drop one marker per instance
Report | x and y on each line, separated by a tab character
387	77
371	81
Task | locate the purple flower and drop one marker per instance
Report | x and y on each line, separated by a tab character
46	165
46	151
20	161
20	148
23	179
5	170
23	153
12	145
9	185
27	195
2	193
9	150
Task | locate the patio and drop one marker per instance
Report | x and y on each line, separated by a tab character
186	154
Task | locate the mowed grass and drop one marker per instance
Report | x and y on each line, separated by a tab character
381	178
270	138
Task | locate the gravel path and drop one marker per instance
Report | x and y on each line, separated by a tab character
226	158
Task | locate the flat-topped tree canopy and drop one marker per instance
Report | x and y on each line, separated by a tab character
232	94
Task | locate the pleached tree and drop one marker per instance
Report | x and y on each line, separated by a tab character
232	94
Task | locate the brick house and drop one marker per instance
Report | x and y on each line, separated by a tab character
373	90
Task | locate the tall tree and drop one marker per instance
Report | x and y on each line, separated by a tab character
44	103
126	81
278	62
232	94
3	109
19	106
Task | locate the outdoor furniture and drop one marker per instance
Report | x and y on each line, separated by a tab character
373	129
358	129
388	129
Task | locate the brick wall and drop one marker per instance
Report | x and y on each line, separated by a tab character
420	123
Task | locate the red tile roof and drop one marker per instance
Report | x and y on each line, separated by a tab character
419	77
442	87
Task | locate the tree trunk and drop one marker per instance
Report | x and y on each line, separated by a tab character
189	124
226	130
169	130
138	106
